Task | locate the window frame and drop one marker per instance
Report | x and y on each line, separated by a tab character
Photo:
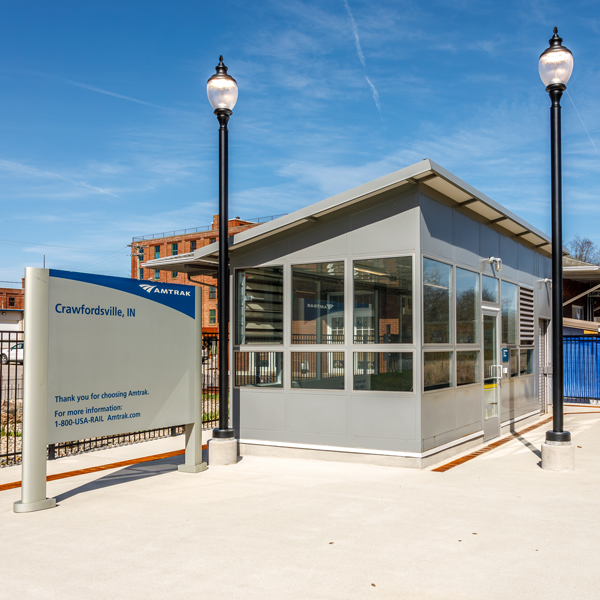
452	327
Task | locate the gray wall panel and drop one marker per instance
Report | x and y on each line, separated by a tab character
260	410
384	416
489	241
386	229
437	414
316	412
526	258
436	228
509	249
466	240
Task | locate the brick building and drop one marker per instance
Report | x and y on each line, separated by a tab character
581	297
12	305
175	243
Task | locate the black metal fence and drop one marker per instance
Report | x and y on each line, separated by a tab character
582	368
11	404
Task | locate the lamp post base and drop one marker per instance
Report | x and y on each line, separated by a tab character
222	451
558	456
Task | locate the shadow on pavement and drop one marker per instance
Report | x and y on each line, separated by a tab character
130	473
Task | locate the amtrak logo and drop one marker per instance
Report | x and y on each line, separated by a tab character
315	305
152	289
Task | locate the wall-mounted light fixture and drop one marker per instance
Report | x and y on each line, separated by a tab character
496	263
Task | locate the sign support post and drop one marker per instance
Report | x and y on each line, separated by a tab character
193	431
35	394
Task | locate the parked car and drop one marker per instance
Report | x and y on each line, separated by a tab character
15	354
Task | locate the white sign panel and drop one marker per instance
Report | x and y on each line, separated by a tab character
121	355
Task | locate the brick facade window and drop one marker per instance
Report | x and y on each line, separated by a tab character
156	274
156	251
212	292
192	245
11	302
174	274
174	249
141	273
212	316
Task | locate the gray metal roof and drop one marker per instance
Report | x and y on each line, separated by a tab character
426	173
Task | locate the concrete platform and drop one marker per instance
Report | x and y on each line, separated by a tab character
495	527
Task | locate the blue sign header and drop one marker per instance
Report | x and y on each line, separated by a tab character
177	297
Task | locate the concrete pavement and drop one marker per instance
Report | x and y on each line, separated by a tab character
496	527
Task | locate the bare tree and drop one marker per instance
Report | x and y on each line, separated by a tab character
582	248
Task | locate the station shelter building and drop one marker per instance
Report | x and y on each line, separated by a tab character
399	322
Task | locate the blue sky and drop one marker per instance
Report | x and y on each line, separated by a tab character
106	132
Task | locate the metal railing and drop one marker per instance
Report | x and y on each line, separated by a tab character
164	234
11	405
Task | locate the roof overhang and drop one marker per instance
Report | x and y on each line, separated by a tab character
587	274
590	326
426	173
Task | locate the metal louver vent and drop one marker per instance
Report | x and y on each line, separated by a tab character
526	328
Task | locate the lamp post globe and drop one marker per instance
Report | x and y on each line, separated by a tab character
555	67
222	93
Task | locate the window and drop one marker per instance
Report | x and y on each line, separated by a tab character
156	251
467	307
212	292
156	274
318	303
489	289
437	371
437	302
509	313
383	371
192	245
11	302
383	301
212	316
318	370
259	369
526	362
174	274
467	367
259	306
577	312
174	249
141	274
212	240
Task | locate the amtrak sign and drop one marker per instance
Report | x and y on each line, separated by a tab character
107	355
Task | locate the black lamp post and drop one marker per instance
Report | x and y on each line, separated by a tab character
556	66
222	94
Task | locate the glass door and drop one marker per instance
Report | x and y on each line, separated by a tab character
492	375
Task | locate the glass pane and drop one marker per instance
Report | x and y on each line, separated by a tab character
467	368
383	301
318	303
489	289
318	370
490	368
259	369
437	370
514	362
467	307
526	362
509	313
383	371
259	306
437	302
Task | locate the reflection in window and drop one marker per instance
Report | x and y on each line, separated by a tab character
437	370
383	371
437	302
259	306
489	289
318	370
467	368
526	362
509	313
259	369
318	303
467	307
383	301
514	362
